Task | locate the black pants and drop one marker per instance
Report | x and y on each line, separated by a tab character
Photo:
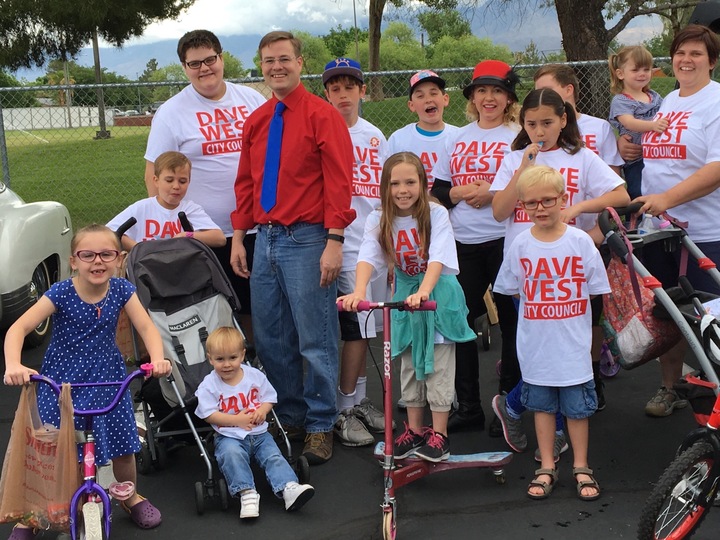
479	265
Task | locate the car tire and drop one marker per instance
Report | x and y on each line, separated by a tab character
40	283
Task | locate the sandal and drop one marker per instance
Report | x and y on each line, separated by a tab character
545	486
582	484
143	514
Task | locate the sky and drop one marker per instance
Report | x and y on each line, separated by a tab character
230	17
256	18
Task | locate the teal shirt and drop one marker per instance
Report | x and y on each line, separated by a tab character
418	328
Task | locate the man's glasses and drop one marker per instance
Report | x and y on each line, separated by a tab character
283	61
209	61
546	203
85	255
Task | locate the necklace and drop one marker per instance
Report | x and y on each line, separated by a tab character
100	307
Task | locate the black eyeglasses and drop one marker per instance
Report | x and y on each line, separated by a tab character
106	256
209	61
546	203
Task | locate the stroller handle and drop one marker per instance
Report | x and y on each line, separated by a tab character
144	371
364	305
606	225
122	229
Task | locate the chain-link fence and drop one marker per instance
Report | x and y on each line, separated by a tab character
83	145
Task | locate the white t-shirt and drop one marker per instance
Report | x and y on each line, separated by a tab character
554	281
407	245
586	177
409	139
209	133
216	396
598	136
473	154
369	149
691	141
155	222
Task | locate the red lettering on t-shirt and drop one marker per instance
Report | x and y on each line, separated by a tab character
553	287
222	129
668	144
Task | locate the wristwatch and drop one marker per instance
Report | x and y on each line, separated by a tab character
337	237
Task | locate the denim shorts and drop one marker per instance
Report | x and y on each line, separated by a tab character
575	402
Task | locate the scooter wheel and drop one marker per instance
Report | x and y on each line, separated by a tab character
608	366
389	525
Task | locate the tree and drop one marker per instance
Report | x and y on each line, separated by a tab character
233	66
14	99
445	22
342	40
32	31
468	50
583	26
150	68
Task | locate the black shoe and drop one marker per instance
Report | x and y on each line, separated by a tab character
467	418
495	430
600	391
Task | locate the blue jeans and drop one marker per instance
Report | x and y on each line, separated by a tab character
576	402
295	322
234	455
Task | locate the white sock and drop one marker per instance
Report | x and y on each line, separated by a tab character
360	390
345	401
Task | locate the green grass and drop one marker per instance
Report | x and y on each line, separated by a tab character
95	179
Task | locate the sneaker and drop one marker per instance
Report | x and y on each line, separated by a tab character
664	402
351	431
296	495
512	427
436	447
407	443
561	445
249	504
318	447
371	416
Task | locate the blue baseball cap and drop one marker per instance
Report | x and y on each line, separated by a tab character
342	66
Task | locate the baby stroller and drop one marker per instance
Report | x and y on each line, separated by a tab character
687	489
187	294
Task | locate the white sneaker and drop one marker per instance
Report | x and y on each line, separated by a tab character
296	495
249	504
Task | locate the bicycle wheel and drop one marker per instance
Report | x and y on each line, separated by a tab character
91	524
671	511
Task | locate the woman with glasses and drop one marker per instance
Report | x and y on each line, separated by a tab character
205	122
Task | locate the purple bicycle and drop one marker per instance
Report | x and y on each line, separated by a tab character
91	497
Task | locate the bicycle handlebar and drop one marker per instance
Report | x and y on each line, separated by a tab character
145	370
364	305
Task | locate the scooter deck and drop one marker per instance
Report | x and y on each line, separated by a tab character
481	459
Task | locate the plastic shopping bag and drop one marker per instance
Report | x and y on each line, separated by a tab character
40	472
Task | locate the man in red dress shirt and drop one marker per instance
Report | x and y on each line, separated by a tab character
298	252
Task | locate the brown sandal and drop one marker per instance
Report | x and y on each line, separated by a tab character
582	484
545	486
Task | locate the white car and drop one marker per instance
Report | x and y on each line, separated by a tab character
34	254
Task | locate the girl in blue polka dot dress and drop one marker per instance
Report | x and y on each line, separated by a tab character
85	310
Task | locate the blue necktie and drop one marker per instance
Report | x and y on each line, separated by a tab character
268	197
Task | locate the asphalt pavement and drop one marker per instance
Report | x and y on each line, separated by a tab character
628	452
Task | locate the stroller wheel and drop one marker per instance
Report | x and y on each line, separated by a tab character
143	460
162	456
200	498
608	366
303	469
223	492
